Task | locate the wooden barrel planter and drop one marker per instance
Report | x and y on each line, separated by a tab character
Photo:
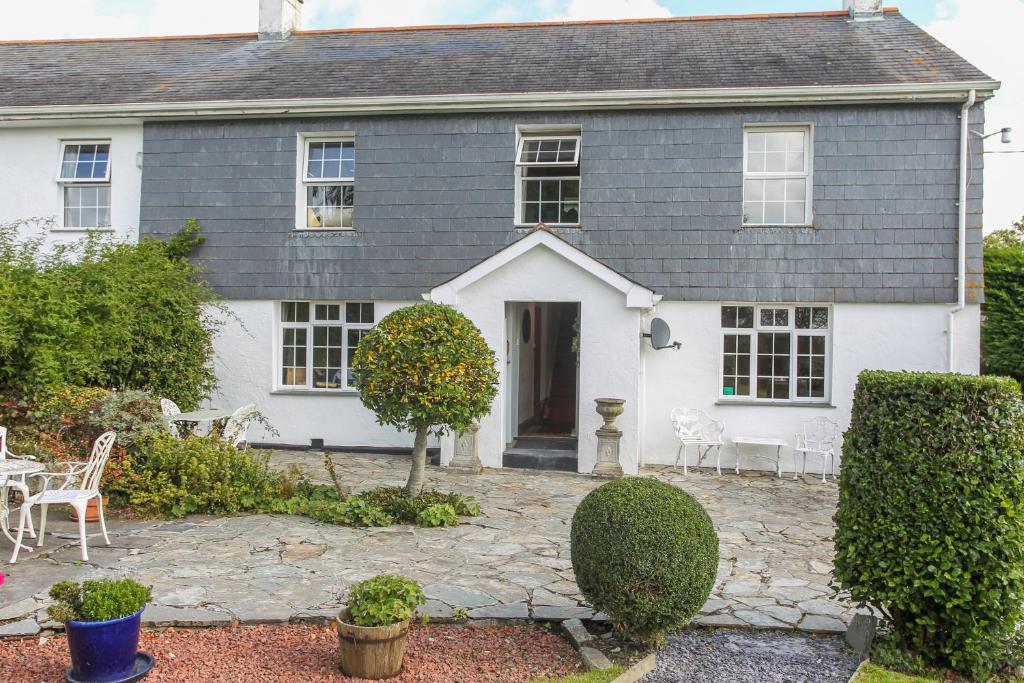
371	651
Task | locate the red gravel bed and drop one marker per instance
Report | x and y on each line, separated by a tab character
434	654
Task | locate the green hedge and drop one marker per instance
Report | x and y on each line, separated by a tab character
645	553
100	313
1002	333
930	524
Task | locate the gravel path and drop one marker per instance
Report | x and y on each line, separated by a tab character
468	654
746	656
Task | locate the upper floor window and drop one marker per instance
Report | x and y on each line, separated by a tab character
777	175
775	352
548	179
84	175
318	341
328	176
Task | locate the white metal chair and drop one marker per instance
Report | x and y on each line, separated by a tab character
81	484
19	483
238	425
169	409
694	427
817	438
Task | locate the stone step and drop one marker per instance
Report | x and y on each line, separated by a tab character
544	442
540	459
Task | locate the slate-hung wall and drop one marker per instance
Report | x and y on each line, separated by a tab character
661	203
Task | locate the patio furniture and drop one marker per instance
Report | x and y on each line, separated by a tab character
694	427
12	473
761	442
170	409
188	423
81	483
14	478
238	425
817	438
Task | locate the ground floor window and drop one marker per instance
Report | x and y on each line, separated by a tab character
318	341
776	352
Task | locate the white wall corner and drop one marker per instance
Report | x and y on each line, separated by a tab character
278	18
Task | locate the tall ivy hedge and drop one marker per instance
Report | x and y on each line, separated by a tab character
930	524
1002	333
105	314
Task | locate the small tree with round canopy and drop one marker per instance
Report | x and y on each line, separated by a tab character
427	369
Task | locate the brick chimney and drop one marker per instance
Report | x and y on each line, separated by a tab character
863	10
278	18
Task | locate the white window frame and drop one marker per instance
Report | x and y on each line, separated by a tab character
301	182
795	333
533	132
281	325
63	183
807	175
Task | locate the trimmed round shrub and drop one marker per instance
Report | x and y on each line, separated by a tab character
930	524
645	553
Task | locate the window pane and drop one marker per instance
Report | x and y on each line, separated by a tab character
774	213
796	189
549	212
729	316
795	213
548	151
810	366
531	190
326	345
570	213
756	162
745	317
753	212
803	318
753	190
820	318
756	142
735	364
531	213
570	190
549	190
774	190
325	206
775	162
773	364
775	141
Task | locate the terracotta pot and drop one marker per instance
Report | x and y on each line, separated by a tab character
370	651
92	514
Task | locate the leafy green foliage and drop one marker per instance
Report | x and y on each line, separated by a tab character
439	514
645	553
197	474
102	313
97	600
131	413
406	509
426	366
384	600
1002	331
930	524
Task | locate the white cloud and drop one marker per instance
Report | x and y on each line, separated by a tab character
98	19
986	34
612	9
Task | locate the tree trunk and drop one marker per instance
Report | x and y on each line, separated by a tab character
418	472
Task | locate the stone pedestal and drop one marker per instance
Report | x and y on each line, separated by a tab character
608	438
467	454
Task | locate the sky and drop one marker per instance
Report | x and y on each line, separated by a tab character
983	31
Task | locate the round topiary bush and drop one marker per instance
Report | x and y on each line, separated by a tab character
645	553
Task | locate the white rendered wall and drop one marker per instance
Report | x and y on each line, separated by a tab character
865	336
29	160
609	347
246	362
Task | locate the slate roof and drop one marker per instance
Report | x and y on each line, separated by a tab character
681	53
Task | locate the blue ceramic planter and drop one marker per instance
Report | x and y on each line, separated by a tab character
104	651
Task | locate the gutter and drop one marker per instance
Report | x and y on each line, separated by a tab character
961	278
533	101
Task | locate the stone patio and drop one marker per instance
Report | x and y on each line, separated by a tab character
511	562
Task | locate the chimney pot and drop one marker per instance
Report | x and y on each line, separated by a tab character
863	10
278	18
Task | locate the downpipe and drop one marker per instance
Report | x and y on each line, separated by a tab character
961	277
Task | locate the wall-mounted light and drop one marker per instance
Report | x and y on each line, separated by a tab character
1003	133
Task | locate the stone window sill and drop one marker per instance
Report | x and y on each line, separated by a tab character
777	404
311	392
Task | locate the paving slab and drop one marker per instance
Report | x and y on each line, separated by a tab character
511	562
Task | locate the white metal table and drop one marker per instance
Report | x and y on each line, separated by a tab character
10	468
760	442
206	415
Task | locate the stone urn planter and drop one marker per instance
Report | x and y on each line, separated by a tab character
371	651
608	437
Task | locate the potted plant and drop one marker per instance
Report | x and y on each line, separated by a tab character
373	628
102	621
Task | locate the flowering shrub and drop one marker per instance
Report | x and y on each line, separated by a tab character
427	369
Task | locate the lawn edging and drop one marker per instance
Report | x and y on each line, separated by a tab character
638	670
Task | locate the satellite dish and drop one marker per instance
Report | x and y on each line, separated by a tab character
661	335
